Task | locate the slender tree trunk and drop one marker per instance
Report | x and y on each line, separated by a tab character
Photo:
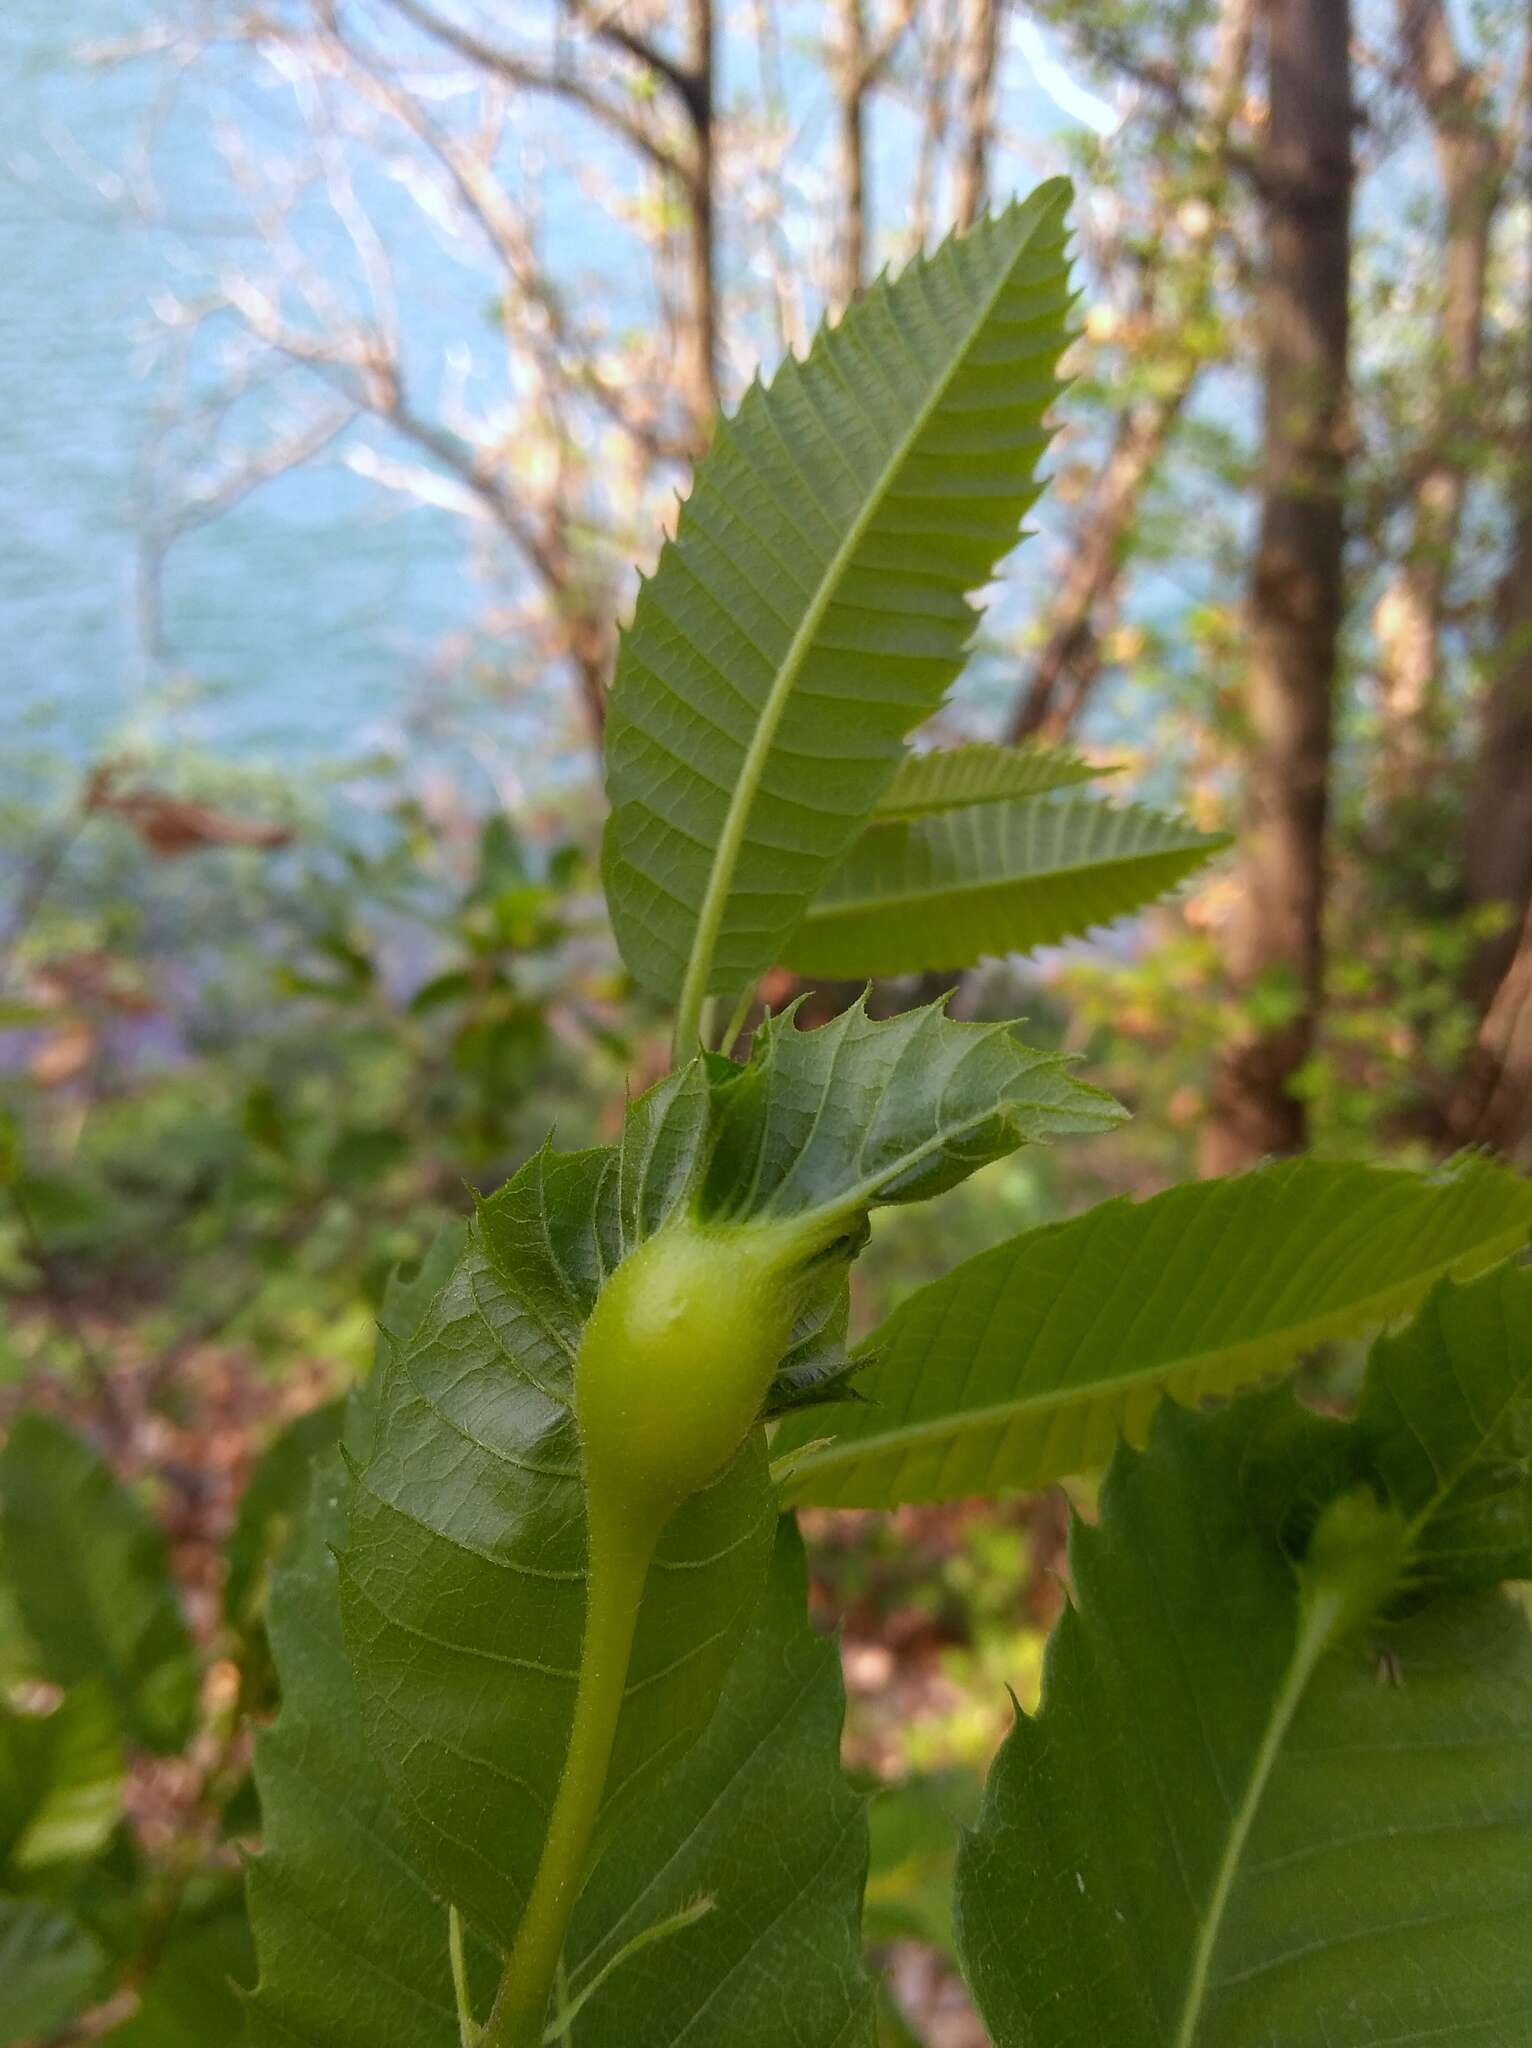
849	69
1407	620
1297	587
1068	661
700	370
1491	1102
978	52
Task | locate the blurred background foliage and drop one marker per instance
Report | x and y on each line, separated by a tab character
360	354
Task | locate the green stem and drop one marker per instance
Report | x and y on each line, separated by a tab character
468	2032
620	1547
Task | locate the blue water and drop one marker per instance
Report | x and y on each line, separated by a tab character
323	617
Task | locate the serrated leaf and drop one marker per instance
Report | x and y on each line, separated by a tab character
463	1574
1222	1831
48	1967
351	1941
812	609
759	1821
945	891
1446	1417
463	1583
92	1583
60	1783
952	778
865	1111
1025	1363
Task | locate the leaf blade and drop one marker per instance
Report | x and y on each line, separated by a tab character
950	889
92	1581
812	607
1009	1371
759	1820
1220	1828
978	772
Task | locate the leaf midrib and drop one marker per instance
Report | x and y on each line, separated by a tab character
1317	1624
826	909
845	1454
699	966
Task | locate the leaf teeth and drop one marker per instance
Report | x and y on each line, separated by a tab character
814	469
1024	1364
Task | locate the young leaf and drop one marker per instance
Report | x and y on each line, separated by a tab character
862	1111
759	1822
352	1944
945	890
951	778
812	608
1025	1363
89	1572
60	1782
1222	1831
48	1967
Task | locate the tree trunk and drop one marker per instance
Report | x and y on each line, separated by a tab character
1275	938
1069	658
849	68
1492	1102
1408	617
700	370
976	92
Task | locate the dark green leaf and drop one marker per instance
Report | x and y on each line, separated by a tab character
1447	1416
48	1968
1222	1830
191	2000
271	1502
91	1580
352	1943
759	1820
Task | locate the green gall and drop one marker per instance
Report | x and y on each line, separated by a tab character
675	1361
1356	1560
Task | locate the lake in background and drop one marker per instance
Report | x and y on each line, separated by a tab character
315	620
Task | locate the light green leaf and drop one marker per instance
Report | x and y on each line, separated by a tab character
830	1122
951	778
1446	1414
463	1584
88	1568
759	1820
1025	1363
1224	1830
48	1968
60	1782
946	890
351	1941
812	609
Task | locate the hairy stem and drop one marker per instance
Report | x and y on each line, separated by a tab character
620	1547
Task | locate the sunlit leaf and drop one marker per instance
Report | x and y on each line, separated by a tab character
813	607
1027	1362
